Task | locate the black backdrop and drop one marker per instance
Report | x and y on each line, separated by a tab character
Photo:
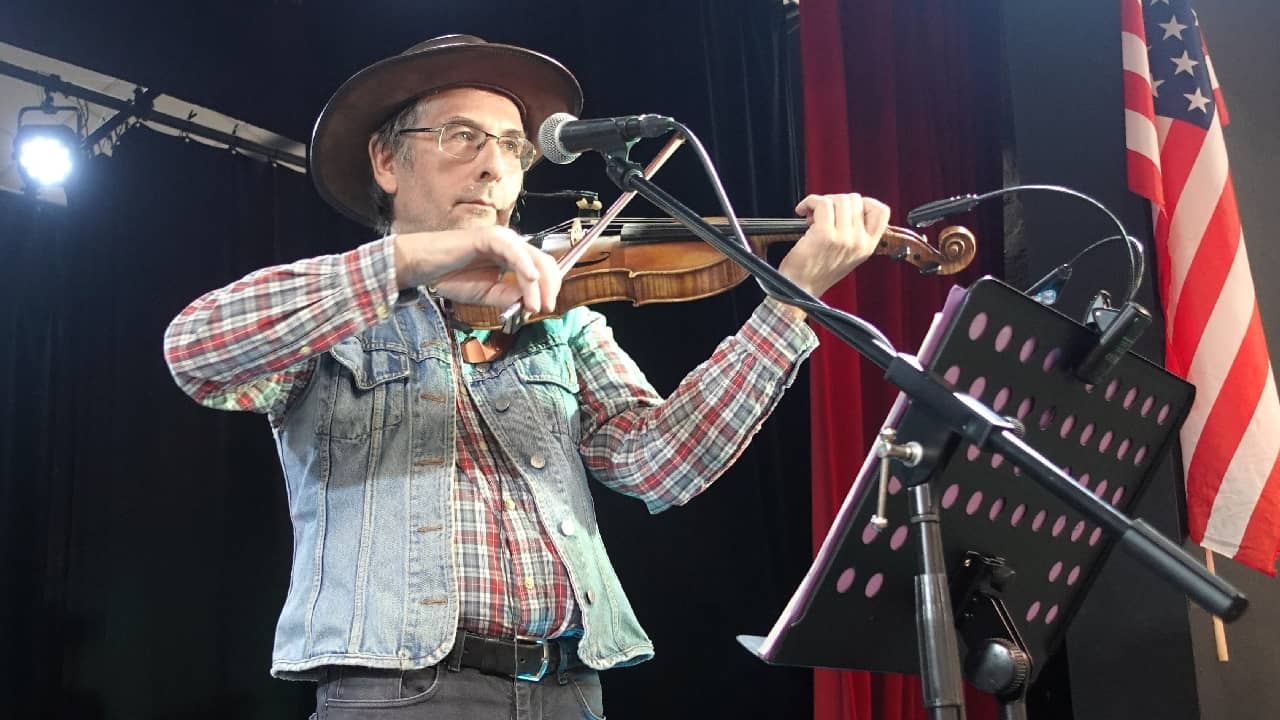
145	541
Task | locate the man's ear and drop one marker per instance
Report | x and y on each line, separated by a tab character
382	157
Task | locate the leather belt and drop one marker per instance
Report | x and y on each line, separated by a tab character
522	659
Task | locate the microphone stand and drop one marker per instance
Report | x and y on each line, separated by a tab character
954	416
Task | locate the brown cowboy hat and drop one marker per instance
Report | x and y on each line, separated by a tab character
339	155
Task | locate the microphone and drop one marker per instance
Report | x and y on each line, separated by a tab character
932	212
1120	327
563	137
1047	289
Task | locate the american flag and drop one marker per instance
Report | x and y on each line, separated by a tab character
1174	117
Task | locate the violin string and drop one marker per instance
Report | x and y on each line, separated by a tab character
812	305
641	226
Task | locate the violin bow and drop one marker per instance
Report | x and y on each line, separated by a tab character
515	316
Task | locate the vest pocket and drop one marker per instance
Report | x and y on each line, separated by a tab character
368	392
553	383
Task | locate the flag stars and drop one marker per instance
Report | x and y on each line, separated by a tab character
1172	28
1155	87
1198	101
1185	64
1156	2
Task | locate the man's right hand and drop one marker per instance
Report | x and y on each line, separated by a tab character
467	265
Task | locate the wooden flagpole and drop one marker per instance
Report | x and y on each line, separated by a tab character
1219	629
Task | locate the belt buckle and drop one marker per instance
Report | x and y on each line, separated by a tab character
546	660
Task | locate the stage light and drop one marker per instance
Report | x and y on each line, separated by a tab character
47	151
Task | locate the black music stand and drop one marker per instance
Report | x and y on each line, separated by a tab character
855	608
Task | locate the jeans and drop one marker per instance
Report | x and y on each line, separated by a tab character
438	693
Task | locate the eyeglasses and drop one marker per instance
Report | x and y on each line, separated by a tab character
466	141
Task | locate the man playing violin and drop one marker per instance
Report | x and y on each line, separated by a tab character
447	561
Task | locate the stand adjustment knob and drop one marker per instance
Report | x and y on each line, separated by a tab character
909	454
998	667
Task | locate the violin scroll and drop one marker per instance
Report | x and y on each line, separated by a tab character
956	249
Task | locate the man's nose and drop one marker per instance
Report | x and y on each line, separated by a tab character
489	159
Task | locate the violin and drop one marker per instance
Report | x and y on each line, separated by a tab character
655	261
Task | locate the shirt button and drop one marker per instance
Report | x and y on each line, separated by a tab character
306	350
509	504
538	461
567	527
381	311
591	596
404	653
502	404
528	583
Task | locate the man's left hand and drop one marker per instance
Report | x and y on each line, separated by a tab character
843	233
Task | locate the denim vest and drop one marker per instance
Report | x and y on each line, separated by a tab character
369	454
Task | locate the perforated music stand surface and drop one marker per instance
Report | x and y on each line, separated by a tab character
855	609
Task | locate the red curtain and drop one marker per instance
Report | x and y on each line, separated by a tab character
901	103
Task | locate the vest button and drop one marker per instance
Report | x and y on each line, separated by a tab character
502	404
538	462
567	527
591	596
480	366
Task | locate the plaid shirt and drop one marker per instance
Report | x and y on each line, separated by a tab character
253	345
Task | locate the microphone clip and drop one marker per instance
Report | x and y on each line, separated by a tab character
1120	328
619	166
1047	289
1101	313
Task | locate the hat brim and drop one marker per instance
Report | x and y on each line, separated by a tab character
338	155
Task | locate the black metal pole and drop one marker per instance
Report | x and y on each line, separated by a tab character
628	176
1135	537
936	641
